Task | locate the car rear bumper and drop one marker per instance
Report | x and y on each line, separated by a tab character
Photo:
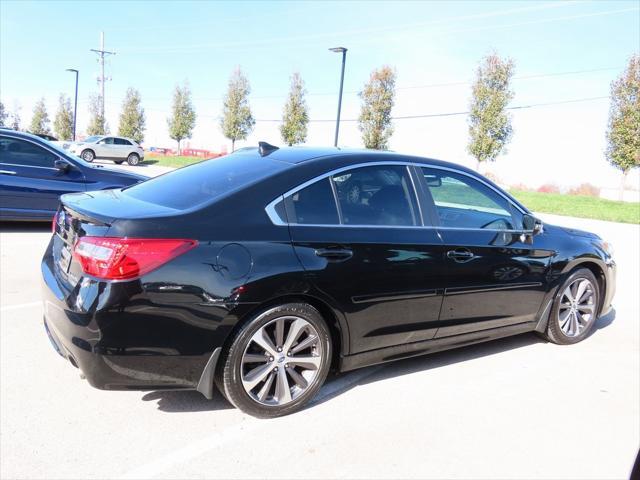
87	338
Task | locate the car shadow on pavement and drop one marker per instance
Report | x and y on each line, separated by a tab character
437	360
180	401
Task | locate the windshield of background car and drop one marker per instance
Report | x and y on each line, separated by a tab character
206	181
92	139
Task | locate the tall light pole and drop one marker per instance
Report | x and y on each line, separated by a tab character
75	103
344	59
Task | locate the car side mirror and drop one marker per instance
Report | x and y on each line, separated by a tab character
61	165
433	180
532	224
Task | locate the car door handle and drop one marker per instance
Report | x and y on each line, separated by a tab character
460	255
7	172
335	254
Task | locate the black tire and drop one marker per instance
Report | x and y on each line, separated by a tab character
554	332
118	162
229	373
88	155
133	159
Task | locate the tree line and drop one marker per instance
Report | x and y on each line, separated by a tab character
489	121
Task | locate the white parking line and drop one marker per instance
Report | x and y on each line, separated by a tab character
236	432
8	308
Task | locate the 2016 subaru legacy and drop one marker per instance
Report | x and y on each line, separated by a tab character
261	271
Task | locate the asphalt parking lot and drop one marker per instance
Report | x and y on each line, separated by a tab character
512	408
148	167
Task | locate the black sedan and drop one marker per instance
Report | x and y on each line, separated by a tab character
34	173
262	271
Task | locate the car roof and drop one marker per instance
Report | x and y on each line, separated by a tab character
297	155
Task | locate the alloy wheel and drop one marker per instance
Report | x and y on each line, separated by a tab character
281	361
577	307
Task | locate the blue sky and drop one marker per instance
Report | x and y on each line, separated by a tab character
428	43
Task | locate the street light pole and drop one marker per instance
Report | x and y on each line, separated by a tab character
75	103
344	59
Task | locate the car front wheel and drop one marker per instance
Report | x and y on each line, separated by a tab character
575	309
133	159
88	155
277	361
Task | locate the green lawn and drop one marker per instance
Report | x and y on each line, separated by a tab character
580	206
170	161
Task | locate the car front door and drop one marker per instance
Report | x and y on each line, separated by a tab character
106	148
360	237
30	185
495	277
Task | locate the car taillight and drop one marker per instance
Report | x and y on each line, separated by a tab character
127	258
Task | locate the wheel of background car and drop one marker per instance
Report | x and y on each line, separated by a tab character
575	308
133	159
277	361
88	155
118	162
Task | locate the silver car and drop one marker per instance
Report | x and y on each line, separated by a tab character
106	147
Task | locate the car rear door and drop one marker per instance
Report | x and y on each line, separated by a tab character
122	147
369	254
494	278
29	183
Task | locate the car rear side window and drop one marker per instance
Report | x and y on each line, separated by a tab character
20	152
462	202
121	141
378	195
368	196
205	181
313	205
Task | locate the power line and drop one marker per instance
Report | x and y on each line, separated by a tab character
298	41
417	87
453	114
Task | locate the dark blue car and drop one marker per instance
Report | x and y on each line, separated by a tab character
34	173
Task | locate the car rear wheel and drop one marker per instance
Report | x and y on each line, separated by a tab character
575	309
133	159
88	155
277	361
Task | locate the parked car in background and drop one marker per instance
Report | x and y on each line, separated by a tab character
106	147
260	271
35	172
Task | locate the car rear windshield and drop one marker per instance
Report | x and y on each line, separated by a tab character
206	181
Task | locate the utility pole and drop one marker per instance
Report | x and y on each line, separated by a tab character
102	53
344	58
75	104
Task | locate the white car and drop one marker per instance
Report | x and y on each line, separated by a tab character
106	147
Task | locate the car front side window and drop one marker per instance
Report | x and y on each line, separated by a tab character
26	154
463	202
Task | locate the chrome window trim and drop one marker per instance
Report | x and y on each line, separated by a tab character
27	166
275	219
